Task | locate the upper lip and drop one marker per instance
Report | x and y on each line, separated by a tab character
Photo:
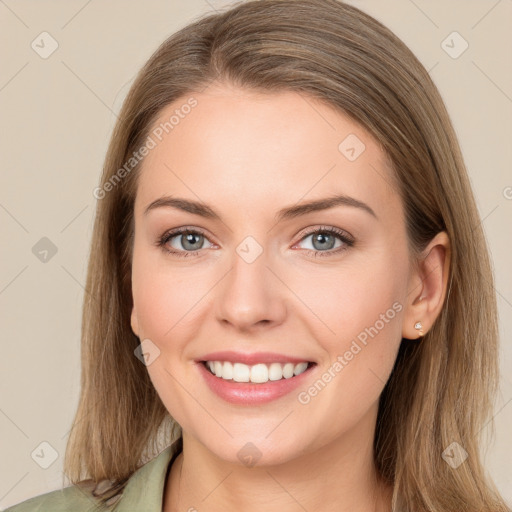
251	358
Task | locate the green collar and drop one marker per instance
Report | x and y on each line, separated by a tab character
145	488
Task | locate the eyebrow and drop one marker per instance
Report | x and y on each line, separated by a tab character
290	212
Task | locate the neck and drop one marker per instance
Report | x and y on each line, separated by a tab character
339	476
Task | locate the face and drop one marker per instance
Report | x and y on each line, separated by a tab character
325	286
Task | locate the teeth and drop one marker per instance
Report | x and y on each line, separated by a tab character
258	373
241	372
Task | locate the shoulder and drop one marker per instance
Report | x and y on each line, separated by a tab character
69	498
143	491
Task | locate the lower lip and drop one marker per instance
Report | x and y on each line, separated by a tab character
248	393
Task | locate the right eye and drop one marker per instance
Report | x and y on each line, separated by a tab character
189	239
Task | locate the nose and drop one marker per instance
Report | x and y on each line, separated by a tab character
251	296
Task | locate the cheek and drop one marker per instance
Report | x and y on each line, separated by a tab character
164	299
361	350
161	299
352	299
361	312
167	298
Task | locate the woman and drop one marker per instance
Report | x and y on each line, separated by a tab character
289	281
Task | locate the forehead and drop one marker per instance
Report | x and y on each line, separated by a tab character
262	150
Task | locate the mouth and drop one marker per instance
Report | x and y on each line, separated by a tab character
262	381
260	373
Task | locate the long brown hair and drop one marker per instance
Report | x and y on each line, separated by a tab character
440	391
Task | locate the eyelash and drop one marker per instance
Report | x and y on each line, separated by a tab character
342	235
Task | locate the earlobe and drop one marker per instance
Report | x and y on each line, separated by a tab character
429	288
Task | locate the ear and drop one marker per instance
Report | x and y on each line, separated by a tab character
427	287
134	322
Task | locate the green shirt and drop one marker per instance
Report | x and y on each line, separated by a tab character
143	492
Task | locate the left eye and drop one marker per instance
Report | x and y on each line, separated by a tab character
324	240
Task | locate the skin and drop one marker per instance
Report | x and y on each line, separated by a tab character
247	155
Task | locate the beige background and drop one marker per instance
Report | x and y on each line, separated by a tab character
57	116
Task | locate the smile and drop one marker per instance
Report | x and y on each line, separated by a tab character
257	384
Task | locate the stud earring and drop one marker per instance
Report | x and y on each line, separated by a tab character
419	327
